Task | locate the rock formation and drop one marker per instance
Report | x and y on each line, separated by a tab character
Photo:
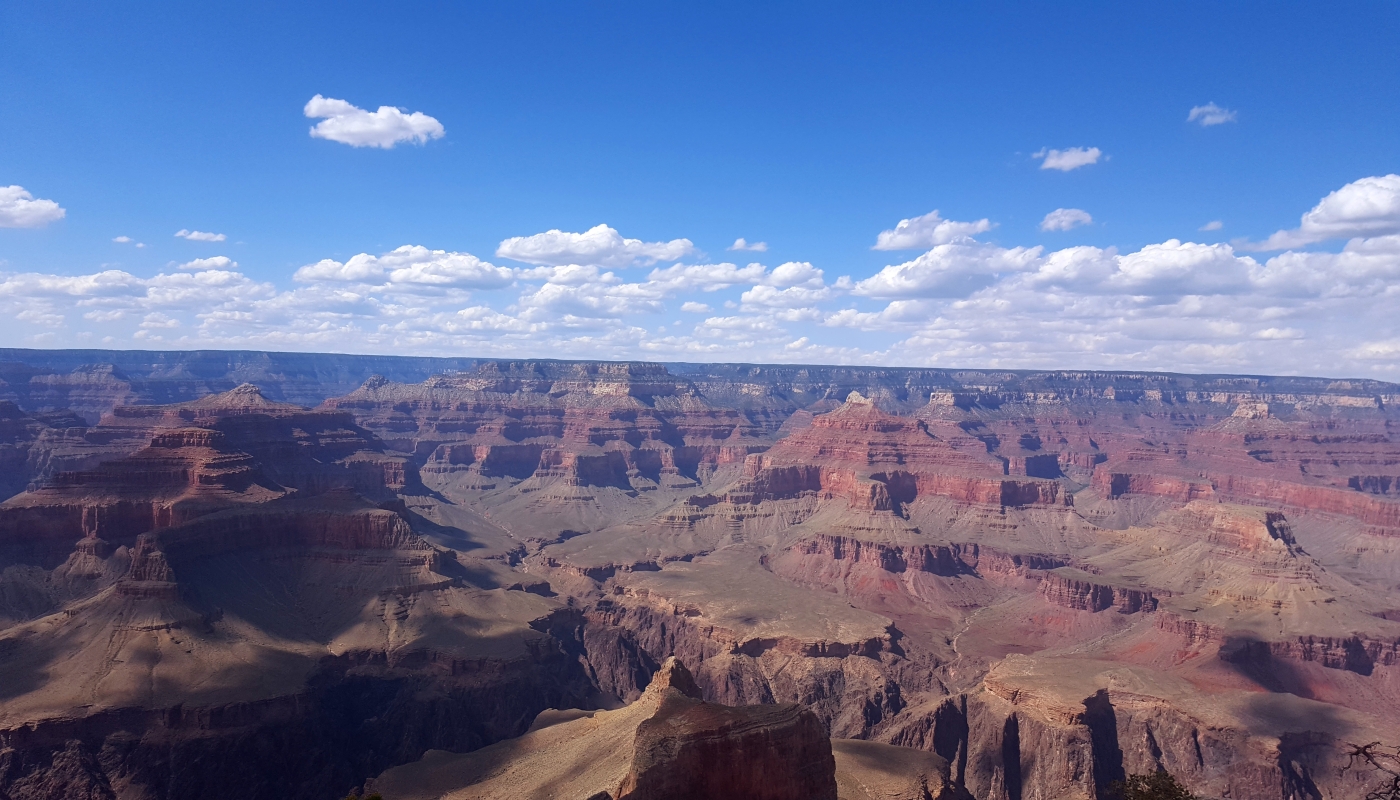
1038	581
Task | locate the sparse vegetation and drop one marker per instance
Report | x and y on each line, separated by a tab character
1159	785
1382	759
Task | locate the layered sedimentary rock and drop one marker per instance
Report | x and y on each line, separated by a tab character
550	446
887	512
1045	581
246	603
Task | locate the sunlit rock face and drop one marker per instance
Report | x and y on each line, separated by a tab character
1034	582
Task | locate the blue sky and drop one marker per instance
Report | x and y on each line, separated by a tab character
810	128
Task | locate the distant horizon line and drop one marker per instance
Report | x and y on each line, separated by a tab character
1086	372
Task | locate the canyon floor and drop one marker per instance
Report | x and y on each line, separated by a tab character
267	575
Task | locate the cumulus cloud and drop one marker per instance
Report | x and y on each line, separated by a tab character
345	123
742	244
410	264
1213	225
20	209
948	270
1385	350
216	262
121	239
1210	114
794	273
1367	207
1064	219
1174	267
713	277
199	236
577	304
156	319
707	277
692	307
1068	159
927	231
600	246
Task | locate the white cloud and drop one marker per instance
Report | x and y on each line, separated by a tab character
347	124
1174	267
121	239
19	209
927	231
1385	350
1367	207
1364	267
743	244
692	307
1063	219
569	275
948	270
600	246
1213	225
199	236
155	319
794	273
707	277
574	304
216	262
1069	158
1279	333
1210	114
791	297
410	264
37	316
1080	269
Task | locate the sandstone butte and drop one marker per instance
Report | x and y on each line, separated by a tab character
263	575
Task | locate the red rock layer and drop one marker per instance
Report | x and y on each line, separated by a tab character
632	426
218	452
882	462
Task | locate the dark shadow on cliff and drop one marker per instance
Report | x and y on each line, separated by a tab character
440	535
1102	722
1011	757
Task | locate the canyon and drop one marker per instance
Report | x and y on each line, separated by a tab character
295	575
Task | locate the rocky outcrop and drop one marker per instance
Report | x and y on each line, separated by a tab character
956	558
1359	654
1088	595
878	462
692	749
851	686
666	745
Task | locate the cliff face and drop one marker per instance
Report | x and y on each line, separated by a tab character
1041	581
669	744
